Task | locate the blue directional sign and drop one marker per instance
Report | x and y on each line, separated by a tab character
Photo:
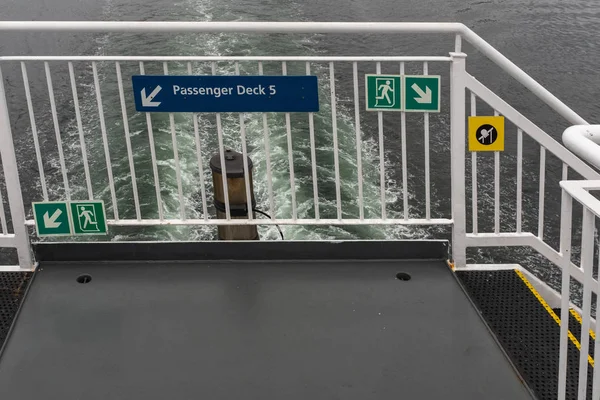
171	93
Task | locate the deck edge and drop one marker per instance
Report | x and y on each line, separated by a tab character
243	250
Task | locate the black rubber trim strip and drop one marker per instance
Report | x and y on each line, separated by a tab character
243	250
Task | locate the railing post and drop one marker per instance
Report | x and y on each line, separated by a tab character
458	43
13	186
457	155
566	216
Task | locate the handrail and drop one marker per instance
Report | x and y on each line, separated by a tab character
580	191
584	140
307	27
513	70
233	58
533	130
236	26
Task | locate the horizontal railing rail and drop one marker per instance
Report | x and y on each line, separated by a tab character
230	58
236	27
308	27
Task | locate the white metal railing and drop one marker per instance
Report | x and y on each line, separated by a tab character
583	274
176	209
547	144
150	206
182	219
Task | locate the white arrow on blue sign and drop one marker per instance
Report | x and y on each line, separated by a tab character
184	93
147	100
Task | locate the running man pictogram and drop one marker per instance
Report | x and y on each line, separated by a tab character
383	90
87	218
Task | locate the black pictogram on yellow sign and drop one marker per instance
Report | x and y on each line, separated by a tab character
486	133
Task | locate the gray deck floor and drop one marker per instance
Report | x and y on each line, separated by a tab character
254	330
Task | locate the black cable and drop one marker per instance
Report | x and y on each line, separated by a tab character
267	215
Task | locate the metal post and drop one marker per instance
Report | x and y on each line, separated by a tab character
458	43
13	186
237	195
566	221
457	155
587	265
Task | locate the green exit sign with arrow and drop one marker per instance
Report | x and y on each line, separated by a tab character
52	219
410	93
67	218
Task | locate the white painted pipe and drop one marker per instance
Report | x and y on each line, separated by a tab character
584	141
226	26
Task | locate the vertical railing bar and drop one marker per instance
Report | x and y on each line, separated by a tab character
153	156
61	155
13	185
474	171
381	154
288	128
176	156
496	188
519	179
222	156
404	156
361	207
542	193
313	156
86	167
458	43
136	198
565	249
426	140
2	216
268	157
565	171
336	158
105	141
587	264
457	152
596	376
34	132
199	156
497	192
245	156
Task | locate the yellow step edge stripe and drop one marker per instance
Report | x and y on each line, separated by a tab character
550	311
576	315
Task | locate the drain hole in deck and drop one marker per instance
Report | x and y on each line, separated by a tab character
85	278
403	276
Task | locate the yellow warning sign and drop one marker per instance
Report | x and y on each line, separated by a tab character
486	133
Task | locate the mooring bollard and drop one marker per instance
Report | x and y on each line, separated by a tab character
236	185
